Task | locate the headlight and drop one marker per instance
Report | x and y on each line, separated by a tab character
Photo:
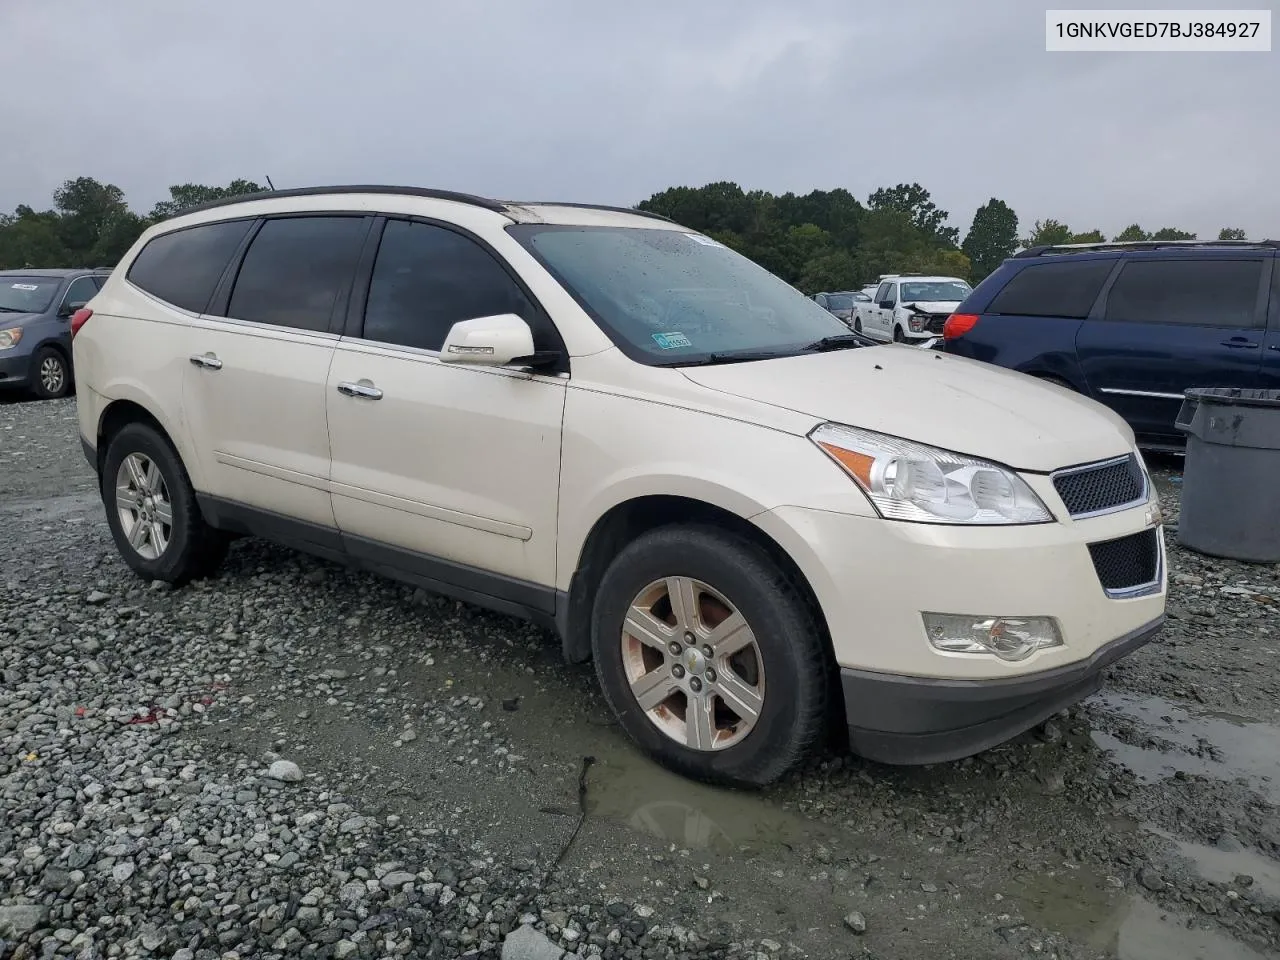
9	338
911	481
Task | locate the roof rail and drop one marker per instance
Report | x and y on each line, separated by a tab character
589	206
1140	245
498	206
475	201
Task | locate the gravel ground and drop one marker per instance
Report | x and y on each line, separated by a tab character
297	760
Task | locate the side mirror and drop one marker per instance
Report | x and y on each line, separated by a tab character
885	304
69	308
488	341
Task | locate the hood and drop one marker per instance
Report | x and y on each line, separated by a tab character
951	402
933	306
16	319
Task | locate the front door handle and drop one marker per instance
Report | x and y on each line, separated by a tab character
207	360
1240	343
361	388
1274	346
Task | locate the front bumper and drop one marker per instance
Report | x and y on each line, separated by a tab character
15	370
913	720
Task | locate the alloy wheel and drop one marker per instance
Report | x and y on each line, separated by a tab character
53	375
142	501
693	664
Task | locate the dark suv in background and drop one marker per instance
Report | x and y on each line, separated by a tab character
1131	325
35	326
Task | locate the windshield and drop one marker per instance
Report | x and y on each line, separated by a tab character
935	290
839	303
667	298
27	294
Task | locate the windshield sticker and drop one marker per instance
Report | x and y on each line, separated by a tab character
26	286
705	241
671	341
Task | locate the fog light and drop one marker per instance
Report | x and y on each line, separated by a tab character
1009	638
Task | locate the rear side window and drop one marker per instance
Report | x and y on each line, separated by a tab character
1205	293
294	270
427	278
183	267
1066	289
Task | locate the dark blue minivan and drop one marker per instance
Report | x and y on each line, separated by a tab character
1131	325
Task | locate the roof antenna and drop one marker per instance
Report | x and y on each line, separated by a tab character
271	185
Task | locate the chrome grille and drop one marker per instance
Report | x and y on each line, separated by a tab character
1127	563
1101	487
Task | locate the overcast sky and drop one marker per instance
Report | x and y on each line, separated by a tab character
604	101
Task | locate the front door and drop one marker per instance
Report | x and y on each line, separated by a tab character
1270	378
447	472
254	389
1163	325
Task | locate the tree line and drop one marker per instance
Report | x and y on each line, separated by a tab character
823	240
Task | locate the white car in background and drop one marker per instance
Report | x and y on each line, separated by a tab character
909	308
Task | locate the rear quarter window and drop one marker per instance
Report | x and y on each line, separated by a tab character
184	266
1063	289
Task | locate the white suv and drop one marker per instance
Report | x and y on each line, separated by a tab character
692	473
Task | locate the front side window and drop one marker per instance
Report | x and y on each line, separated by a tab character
428	278
1062	289
184	266
294	270
668	298
81	291
935	291
27	294
1206	293
882	292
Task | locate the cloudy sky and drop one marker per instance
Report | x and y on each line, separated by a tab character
604	101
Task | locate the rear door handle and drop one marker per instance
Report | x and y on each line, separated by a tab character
362	388
1240	343
207	360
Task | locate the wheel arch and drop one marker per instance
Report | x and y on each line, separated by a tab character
121	412
634	517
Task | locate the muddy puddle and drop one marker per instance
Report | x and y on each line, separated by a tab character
1165	738
1233	866
626	788
1096	911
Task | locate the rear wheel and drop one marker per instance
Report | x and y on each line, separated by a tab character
152	510
51	375
709	656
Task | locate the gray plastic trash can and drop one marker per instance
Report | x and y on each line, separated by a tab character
1231	479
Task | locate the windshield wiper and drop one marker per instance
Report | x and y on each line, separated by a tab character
712	359
13	310
839	342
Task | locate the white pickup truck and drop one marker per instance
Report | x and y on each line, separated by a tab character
909	308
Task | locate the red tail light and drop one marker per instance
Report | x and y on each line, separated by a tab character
79	318
958	324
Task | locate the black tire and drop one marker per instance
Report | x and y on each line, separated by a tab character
50	374
793	715
898	335
194	548
857	325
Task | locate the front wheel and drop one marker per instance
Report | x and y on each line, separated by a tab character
857	325
898	335
709	657
51	375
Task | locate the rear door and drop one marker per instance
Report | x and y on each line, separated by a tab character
1167	323
254	392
